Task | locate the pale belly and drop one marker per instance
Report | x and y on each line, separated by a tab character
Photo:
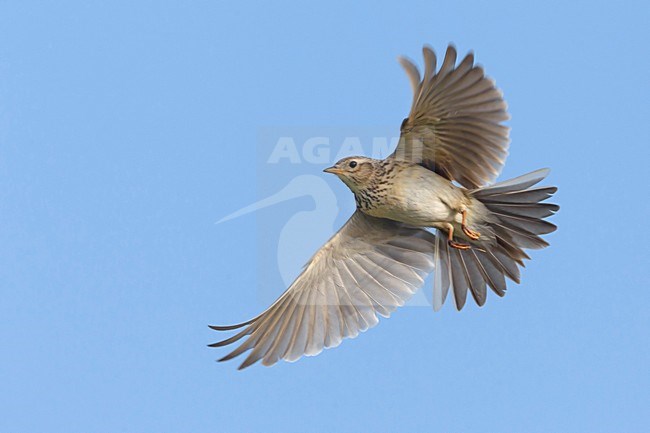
421	198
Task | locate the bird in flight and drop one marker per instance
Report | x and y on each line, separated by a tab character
430	206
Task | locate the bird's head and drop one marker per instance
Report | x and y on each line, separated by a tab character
357	172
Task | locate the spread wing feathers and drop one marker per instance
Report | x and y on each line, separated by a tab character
517	221
454	127
474	270
371	266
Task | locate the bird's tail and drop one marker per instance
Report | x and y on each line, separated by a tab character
516	221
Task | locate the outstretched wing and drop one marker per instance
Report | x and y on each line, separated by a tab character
371	266
454	127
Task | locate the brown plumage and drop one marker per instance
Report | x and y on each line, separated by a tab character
383	253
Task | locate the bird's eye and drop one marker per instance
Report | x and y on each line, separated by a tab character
353	164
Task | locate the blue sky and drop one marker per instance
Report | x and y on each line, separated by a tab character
127	129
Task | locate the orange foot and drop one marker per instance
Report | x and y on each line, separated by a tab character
458	245
470	233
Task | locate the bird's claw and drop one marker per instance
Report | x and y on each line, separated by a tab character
459	245
471	233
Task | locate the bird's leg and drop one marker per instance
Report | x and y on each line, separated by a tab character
470	233
454	244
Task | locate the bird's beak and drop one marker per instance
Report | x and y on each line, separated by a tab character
333	170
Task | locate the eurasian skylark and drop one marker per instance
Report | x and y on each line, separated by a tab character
381	256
